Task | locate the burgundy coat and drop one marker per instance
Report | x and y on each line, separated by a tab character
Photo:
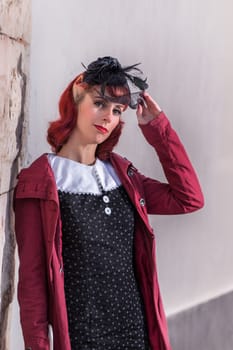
39	236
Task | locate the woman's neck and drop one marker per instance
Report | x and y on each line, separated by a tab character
82	154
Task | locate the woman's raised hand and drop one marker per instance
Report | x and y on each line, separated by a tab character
147	111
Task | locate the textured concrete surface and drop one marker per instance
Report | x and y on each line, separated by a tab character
15	19
14	48
208	326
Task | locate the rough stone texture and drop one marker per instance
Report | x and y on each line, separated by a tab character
15	19
14	49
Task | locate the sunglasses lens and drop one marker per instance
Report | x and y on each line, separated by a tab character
135	97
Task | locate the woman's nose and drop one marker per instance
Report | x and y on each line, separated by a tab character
107	115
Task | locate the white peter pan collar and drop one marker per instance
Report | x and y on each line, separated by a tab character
75	177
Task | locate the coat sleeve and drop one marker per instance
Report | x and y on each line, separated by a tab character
182	193
32	285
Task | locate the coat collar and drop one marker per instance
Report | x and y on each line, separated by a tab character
37	181
120	164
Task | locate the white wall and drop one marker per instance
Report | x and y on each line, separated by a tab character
186	49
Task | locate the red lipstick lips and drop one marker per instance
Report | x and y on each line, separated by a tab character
101	129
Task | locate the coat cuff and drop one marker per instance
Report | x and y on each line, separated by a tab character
156	129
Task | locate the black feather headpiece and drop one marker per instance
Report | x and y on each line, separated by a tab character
107	71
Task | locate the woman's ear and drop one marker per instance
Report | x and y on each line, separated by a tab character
78	88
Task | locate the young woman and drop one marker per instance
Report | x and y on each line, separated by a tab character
86	248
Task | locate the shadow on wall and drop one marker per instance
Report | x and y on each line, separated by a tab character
208	326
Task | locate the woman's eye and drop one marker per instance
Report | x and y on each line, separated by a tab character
117	111
99	103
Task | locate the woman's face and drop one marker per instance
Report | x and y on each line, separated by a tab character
97	117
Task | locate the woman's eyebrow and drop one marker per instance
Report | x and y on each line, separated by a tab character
97	95
107	99
120	106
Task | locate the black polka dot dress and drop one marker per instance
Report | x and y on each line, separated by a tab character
104	305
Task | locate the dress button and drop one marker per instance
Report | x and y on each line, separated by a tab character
130	172
107	211
106	199
142	202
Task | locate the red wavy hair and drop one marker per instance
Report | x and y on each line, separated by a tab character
60	130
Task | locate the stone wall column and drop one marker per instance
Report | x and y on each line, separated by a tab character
15	30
